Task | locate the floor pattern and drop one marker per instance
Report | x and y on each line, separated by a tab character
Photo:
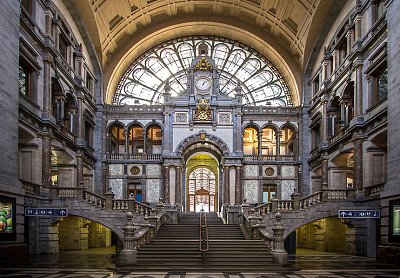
62	273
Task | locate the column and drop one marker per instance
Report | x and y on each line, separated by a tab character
79	168
239	135
178	185
166	185
144	142
238	186
81	99
165	137
278	142
225	200
126	134
324	120
47	85
358	164
46	161
358	99
324	173
259	142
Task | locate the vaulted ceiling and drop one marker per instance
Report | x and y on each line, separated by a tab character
284	31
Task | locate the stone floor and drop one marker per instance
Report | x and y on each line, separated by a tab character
99	263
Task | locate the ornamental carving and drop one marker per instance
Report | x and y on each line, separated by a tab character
202	113
181	117
135	170
203	64
269	171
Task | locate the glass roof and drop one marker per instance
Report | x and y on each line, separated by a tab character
144	81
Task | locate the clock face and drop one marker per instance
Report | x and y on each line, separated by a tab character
203	84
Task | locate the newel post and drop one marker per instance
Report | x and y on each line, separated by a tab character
296	201
128	255
279	253
109	200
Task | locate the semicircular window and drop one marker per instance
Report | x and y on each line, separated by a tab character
144	81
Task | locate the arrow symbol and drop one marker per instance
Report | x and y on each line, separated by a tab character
343	214
62	212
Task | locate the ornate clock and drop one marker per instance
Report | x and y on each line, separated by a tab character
203	84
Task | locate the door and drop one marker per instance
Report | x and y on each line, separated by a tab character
202	192
269	192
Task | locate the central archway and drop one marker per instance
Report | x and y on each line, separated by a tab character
202	183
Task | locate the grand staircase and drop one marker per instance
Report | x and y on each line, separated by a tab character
176	248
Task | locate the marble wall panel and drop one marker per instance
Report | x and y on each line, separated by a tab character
251	191
153	190
288	171
116	169
116	188
287	188
153	170
251	171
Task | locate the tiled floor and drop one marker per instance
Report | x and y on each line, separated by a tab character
100	263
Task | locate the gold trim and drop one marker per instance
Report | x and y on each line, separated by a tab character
203	64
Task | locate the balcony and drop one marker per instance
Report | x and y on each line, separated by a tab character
260	158
129	156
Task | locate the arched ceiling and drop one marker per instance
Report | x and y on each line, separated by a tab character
284	31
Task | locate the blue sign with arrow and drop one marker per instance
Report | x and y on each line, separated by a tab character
57	212
359	213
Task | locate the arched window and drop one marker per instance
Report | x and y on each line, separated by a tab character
202	190
144	80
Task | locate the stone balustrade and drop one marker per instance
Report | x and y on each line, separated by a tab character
130	156
374	190
30	187
270	157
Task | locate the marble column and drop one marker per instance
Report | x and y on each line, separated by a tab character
358	165
47	85
226	186
166	185
126	134
239	135
238	186
278	142
259	142
358	99
166	131
324	173
46	161
178	185
144	142
324	119
79	168
81	99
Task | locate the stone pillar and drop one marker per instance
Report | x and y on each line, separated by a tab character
238	186
324	120
278	142
324	173
226	186
79	168
47	85
46	161
358	165
178	185
81	99
279	253
259	135
145	142
166	185
239	135
126	134
358	97
166	131
128	255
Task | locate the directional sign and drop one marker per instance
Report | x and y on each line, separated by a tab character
359	213
58	212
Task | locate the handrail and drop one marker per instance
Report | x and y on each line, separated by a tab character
203	246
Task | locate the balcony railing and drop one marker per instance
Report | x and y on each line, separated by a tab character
30	187
129	156
270	157
68	133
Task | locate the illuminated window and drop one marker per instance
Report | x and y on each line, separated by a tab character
144	81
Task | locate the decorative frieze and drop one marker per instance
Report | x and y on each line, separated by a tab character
270	171
135	170
224	117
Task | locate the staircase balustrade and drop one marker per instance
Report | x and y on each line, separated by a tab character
203	246
374	190
30	187
106	201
